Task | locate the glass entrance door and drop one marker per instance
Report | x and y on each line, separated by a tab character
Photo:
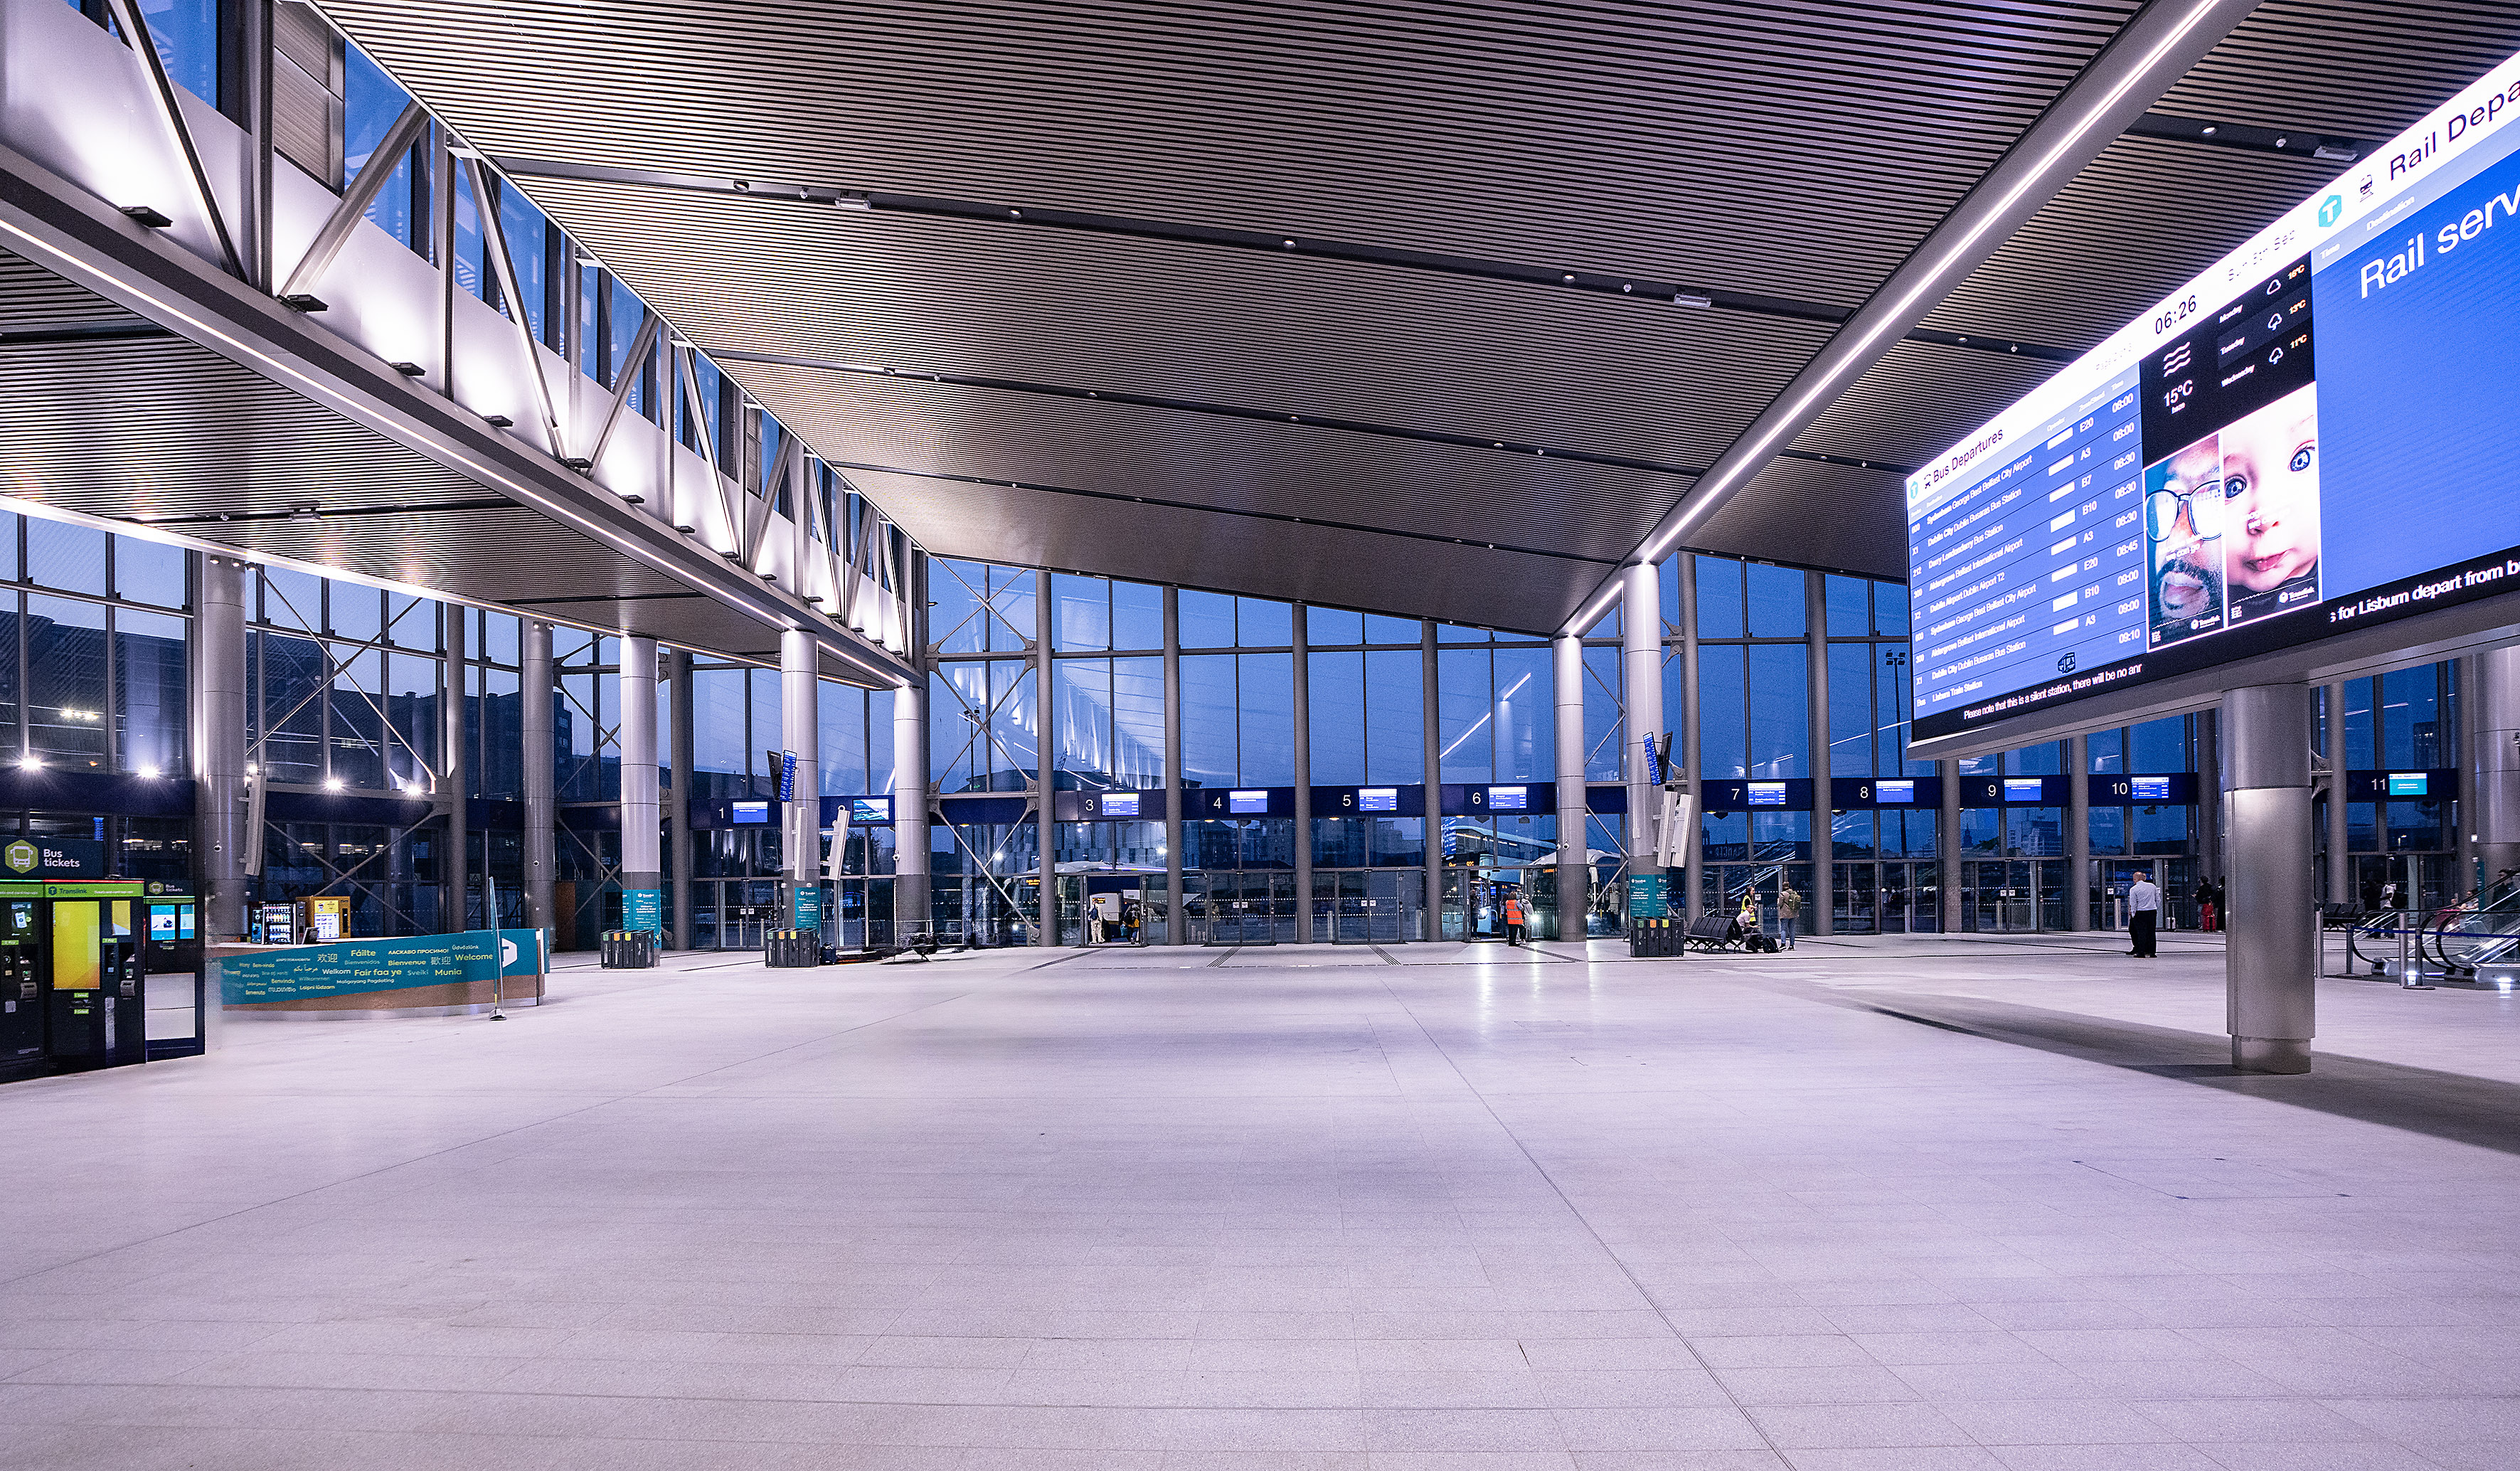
1363	907
745	909
1997	897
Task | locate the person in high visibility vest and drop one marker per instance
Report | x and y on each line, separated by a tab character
1513	917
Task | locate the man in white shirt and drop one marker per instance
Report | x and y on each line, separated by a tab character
2144	911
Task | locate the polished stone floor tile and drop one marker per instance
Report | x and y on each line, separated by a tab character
1285	1209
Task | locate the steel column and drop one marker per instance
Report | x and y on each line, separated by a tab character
801	730
1692	750
1574	872
1947	844
1045	757
1820	906
2497	763
218	720
538	762
1641	650
455	768
1431	729
678	814
2078	833
1303	777
2340	860
2209	844
641	864
2271	957
1177	917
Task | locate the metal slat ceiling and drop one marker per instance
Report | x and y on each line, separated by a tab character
1780	149
1790	149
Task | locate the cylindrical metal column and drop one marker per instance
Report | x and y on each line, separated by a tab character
2340	860
455	770
801	730
1947	844
1820	906
913	901
1045	740
1303	777
219	743
643	868
1641	650
1574	871
678	801
2211	847
1176	914
1691	745
539	765
2078	833
1431	729
2496	823
2271	957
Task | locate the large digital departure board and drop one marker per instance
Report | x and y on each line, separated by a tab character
2320	432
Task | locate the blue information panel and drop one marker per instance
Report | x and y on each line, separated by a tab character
2320	432
643	910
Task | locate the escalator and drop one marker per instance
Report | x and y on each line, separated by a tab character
2478	943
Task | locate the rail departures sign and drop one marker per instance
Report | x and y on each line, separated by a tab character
2318	435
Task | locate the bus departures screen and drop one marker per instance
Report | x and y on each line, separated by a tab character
2322	430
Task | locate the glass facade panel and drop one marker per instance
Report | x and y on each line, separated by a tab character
1719	598
1778	605
65	681
1779	711
66	557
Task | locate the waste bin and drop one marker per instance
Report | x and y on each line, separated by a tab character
629	949
793	949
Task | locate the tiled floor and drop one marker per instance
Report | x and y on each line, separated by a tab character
1871	1205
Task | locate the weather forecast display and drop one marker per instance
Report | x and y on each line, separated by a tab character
2321	431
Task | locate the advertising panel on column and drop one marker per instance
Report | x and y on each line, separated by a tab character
2308	450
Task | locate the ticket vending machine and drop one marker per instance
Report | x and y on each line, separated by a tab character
73	980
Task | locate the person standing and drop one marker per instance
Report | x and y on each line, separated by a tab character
2143	912
1789	911
1513	917
2208	907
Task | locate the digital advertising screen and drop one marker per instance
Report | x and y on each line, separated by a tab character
869	810
2024	789
2411	783
748	813
1254	803
1893	793
1378	799
2318	435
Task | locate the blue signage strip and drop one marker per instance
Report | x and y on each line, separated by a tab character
351	967
644	908
2406	784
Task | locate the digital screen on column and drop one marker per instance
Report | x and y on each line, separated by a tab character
2318	434
1893	793
869	809
1378	799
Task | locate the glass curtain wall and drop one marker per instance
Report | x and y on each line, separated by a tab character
1760	711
